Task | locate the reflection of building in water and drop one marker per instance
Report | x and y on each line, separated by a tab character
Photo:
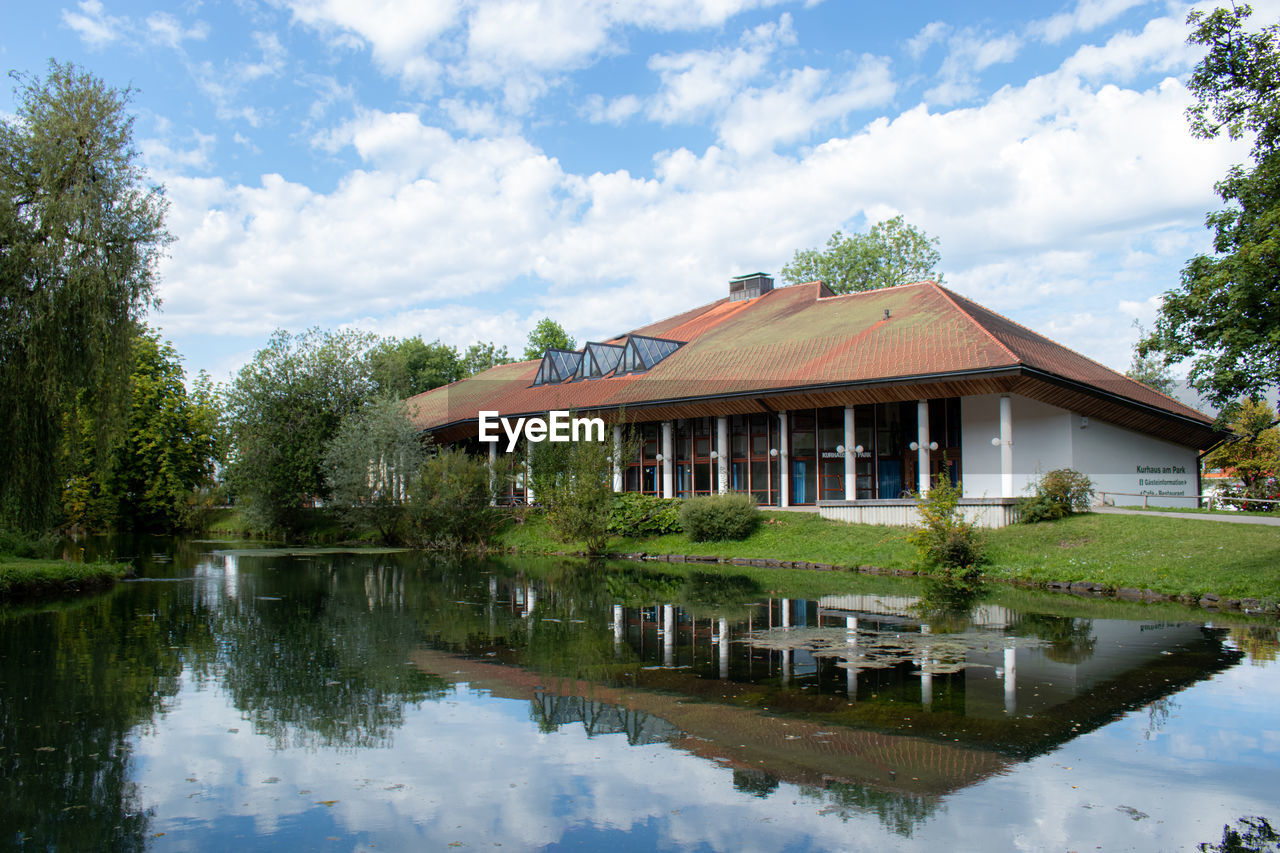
980	675
552	710
879	703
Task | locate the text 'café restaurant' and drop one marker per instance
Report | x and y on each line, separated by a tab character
801	397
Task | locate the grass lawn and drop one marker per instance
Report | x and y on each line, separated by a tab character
1168	555
21	578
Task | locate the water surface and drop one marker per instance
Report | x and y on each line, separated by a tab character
252	700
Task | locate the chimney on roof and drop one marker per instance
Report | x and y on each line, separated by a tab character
749	286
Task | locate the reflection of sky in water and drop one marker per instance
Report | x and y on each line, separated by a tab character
475	769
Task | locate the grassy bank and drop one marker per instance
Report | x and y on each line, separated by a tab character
318	527
22	579
1167	555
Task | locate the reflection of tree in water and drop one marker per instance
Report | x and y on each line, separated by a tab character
755	782
74	683
1250	835
320	658
898	812
947	605
1259	642
551	711
1071	641
1158	714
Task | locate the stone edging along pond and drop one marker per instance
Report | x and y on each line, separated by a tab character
1209	601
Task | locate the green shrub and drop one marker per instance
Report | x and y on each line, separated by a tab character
1059	493
635	514
719	517
29	545
450	503
944	539
579	501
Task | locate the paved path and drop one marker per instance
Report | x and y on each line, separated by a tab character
1230	519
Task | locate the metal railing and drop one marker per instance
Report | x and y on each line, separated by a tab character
1211	498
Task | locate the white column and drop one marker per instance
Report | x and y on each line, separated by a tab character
784	467
618	625
786	613
528	474
668	460
1006	447
668	635
722	461
493	472
926	687
922	438
617	458
724	648
1010	680
851	640
850	457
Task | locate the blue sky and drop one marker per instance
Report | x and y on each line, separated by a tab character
459	169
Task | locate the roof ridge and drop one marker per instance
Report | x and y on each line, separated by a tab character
1094	362
698	310
880	290
951	297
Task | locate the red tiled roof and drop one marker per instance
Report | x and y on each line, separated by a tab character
797	337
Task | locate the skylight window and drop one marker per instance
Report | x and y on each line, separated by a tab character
598	360
641	353
557	366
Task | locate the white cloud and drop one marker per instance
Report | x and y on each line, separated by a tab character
92	23
166	30
397	31
969	53
696	83
1058	186
476	119
162	156
224	85
489	43
615	111
1087	16
792	110
1161	47
929	35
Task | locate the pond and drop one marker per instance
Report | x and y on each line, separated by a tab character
244	700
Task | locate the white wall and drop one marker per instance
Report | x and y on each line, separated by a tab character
1123	461
1046	437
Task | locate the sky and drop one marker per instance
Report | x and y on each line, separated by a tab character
459	169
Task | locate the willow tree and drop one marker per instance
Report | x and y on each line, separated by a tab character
81	232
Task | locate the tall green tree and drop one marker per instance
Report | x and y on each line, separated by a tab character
1252	454
283	409
404	367
167	449
372	464
81	232
1149	369
893	252
1225	316
548	334
479	357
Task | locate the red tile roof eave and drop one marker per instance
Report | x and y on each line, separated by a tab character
772	391
1202	422
985	373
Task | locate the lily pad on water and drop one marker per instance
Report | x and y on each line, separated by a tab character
866	649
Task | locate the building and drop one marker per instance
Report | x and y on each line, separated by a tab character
851	402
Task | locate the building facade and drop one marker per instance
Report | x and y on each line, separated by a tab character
851	403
